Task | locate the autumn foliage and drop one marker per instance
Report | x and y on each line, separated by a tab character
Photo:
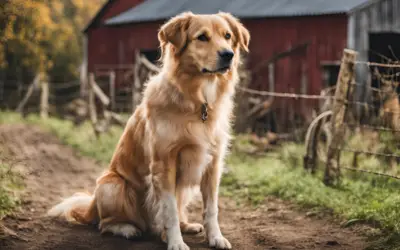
43	36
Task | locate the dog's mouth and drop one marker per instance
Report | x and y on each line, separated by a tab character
220	70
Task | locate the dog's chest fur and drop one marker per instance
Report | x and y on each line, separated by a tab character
201	136
209	91
210	134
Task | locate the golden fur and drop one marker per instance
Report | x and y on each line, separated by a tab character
166	148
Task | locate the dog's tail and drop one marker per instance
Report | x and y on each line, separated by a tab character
80	207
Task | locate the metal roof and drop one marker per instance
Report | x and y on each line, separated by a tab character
154	10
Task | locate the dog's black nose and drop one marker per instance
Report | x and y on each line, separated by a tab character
226	55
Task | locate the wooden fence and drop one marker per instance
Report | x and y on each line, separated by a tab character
336	123
38	96
336	120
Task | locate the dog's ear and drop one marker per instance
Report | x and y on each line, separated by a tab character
175	32
241	34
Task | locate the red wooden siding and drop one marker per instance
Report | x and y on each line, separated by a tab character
326	35
117	45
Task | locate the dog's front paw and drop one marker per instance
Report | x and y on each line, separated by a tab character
178	246
219	242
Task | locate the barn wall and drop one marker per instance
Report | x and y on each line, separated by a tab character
112	46
117	45
102	47
326	36
102	44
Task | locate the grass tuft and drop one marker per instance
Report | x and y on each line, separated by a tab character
10	185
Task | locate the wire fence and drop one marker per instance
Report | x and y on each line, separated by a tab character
382	114
29	97
331	137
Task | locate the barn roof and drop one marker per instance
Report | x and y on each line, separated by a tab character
98	15
154	10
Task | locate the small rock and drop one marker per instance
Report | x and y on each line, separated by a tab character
311	213
332	243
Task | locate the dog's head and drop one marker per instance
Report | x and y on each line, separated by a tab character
204	44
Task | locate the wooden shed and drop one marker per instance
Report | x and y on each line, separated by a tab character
374	32
304	39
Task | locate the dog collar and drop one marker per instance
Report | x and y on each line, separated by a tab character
204	113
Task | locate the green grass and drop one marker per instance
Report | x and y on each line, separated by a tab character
81	138
10	186
376	200
359	198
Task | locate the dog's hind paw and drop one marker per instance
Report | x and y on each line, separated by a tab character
219	243
125	230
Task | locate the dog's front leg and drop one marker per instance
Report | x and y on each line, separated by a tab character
209	190
164	179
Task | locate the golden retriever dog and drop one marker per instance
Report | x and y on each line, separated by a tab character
176	139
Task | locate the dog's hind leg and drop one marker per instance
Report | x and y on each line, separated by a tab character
118	208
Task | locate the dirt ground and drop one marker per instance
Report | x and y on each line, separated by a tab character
54	171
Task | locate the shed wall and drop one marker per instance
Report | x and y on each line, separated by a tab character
379	17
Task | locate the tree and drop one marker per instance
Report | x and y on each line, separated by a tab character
25	28
43	36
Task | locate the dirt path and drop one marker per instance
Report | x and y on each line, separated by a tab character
55	171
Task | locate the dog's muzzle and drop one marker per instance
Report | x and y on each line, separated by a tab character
224	62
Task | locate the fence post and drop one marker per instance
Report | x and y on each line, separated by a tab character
339	108
44	100
1	89
83	86
28	94
304	91
92	104
112	89
136	83
271	78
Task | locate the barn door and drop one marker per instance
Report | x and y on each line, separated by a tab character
384	48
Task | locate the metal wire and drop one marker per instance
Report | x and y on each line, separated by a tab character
368	152
314	97
379	128
284	95
378	64
370	172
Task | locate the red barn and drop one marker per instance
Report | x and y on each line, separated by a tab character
305	38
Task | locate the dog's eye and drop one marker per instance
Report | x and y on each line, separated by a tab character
227	36
202	38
